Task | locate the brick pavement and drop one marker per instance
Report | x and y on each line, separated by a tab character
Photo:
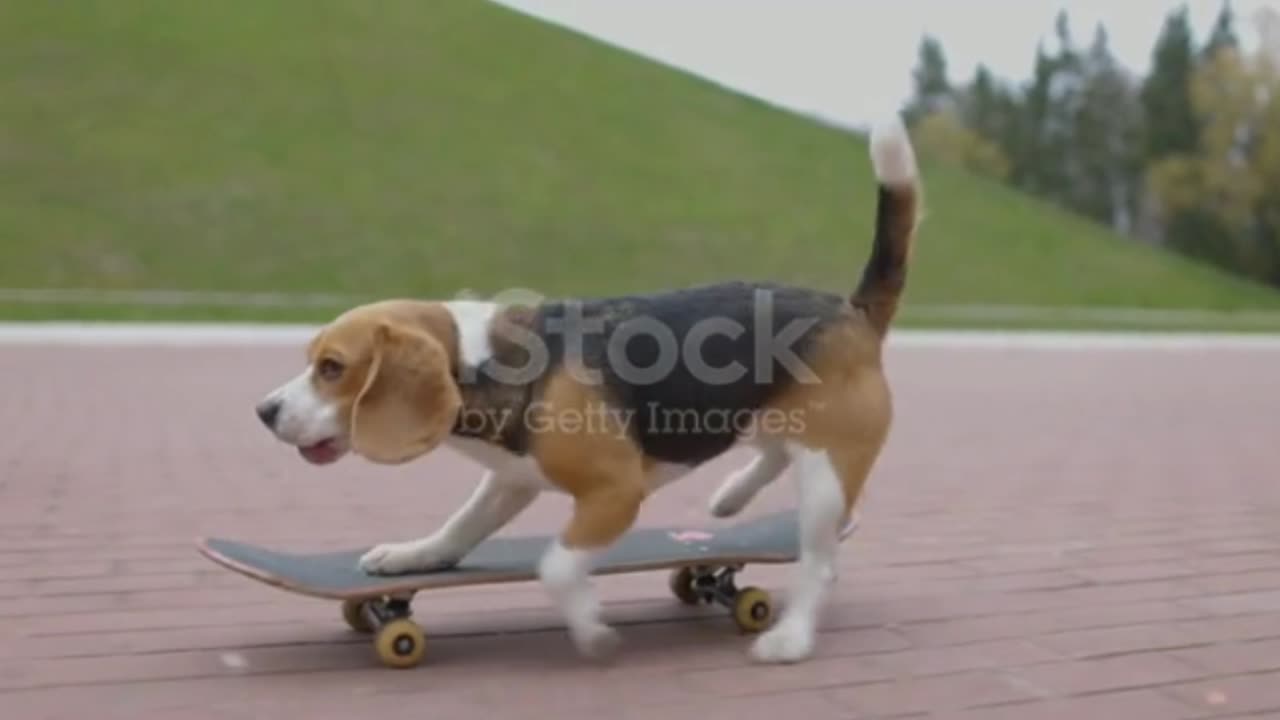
1049	535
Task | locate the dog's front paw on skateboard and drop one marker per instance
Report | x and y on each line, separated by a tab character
400	558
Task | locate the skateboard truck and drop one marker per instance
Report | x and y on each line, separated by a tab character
706	584
398	640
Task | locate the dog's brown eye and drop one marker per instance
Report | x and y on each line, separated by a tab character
329	369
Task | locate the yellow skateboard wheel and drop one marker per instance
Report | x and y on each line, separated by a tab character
353	613
400	643
752	609
681	583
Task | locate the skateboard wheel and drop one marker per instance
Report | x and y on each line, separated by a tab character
681	582
353	613
400	643
752	609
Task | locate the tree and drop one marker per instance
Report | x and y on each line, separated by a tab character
1105	162
932	86
1223	35
1229	181
1166	94
1171	129
944	136
980	104
1267	152
1062	31
1043	154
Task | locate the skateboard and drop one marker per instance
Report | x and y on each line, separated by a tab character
702	562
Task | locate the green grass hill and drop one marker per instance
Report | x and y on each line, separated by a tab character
402	147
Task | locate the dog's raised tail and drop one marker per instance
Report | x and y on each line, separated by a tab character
897	176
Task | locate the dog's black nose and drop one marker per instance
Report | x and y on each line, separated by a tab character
267	412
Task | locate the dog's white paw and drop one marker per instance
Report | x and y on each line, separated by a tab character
596	640
398	558
787	642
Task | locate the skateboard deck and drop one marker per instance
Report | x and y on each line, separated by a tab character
337	575
703	561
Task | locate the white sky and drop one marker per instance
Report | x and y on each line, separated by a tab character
848	61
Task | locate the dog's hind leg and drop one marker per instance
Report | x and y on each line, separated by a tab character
829	485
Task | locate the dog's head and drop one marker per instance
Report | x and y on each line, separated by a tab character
378	382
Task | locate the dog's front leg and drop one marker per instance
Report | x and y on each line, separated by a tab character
740	487
498	499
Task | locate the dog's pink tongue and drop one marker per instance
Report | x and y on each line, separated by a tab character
321	453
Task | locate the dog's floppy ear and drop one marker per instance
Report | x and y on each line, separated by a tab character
409	401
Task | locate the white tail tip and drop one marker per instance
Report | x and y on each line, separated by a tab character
892	156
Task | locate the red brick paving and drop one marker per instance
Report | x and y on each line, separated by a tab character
1049	535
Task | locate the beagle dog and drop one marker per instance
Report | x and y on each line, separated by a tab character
609	399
